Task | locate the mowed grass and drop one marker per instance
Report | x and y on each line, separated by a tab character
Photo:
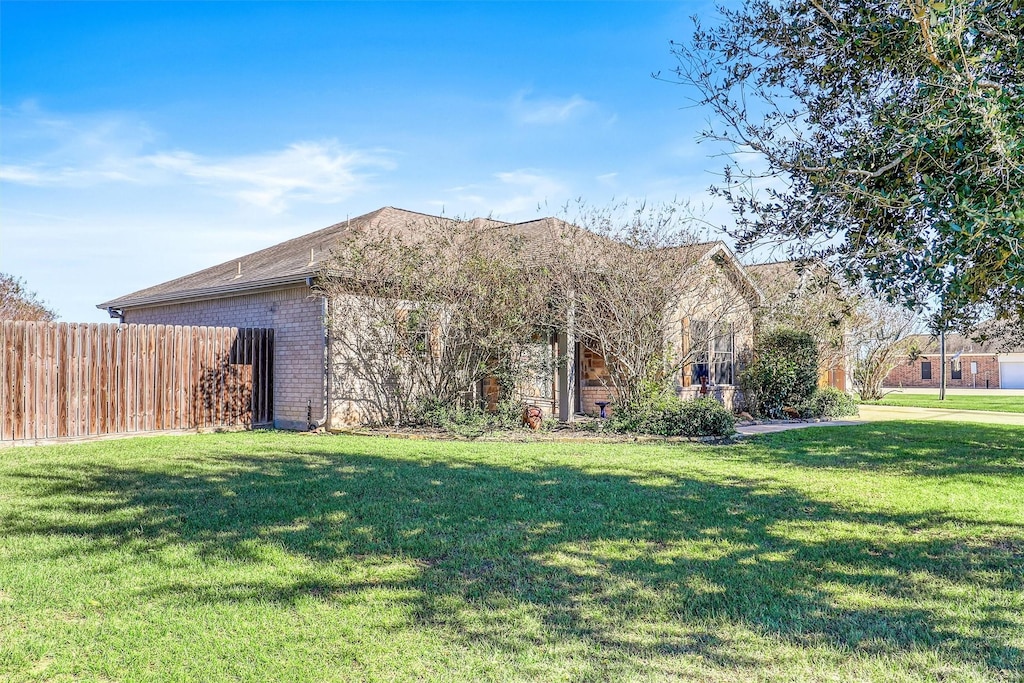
1004	404
884	552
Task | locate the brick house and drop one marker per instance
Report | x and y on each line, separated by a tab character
275	288
969	364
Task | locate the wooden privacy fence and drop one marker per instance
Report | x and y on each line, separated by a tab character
76	380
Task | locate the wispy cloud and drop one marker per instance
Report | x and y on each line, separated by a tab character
514	195
548	111
49	151
322	172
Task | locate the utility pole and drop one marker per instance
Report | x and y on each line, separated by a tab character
942	363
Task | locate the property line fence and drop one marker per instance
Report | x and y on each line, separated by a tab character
73	380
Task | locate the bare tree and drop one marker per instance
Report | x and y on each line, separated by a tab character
428	310
17	302
644	295
880	339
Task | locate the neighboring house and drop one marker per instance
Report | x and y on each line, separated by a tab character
795	298
274	288
969	364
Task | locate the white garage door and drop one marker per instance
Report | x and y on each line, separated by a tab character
1011	375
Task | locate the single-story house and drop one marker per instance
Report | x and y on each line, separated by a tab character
969	364
275	288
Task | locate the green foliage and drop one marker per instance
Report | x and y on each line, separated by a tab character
784	373
898	128
665	414
802	350
767	382
829	402
469	421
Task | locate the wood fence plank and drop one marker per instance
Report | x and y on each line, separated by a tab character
17	380
3	381
7	396
31	381
118	380
63	389
132	371
268	357
53	396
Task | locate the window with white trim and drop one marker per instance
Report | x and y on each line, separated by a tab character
713	355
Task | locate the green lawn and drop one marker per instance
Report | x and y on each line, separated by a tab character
1006	404
886	552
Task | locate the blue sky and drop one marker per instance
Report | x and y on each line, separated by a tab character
143	141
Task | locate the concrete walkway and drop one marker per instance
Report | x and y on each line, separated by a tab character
871	413
769	428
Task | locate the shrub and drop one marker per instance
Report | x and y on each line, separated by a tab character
671	416
802	350
831	402
472	421
456	419
767	382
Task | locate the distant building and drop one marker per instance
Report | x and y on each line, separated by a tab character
969	364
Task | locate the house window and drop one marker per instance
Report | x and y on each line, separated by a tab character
415	334
722	353
540	379
956	371
926	369
699	348
714	355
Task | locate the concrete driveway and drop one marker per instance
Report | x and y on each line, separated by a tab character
871	413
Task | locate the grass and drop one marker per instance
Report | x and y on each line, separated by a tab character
886	552
1005	404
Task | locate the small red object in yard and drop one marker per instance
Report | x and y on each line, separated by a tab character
791	413
703	385
532	417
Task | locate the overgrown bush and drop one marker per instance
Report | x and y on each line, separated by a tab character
767	383
784	372
831	402
668	415
802	350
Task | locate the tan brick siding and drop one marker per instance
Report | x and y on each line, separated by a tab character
297	320
908	374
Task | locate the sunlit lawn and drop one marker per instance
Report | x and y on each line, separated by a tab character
1005	404
879	552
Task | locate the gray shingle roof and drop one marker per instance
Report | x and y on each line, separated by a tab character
293	261
289	262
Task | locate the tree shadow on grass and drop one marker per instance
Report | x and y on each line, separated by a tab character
629	568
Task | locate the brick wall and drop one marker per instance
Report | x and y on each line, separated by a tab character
909	374
297	319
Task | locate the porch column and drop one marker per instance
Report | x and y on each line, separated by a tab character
567	368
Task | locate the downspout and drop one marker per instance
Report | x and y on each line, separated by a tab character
328	364
325	403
